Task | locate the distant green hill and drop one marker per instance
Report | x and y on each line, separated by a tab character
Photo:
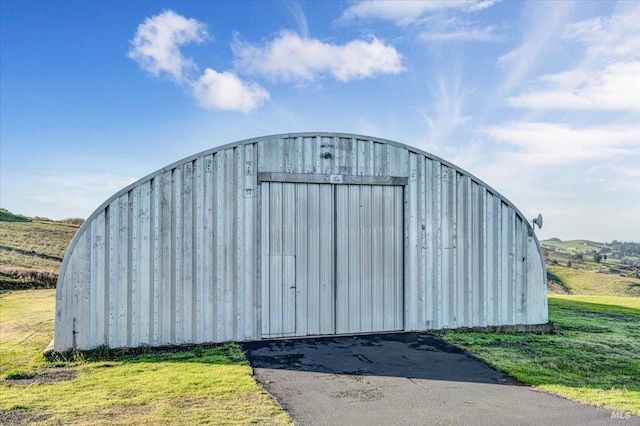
593	268
7	216
618	253
31	250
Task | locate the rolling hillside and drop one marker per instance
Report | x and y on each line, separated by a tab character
31	250
592	268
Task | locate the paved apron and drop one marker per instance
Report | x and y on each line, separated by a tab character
405	378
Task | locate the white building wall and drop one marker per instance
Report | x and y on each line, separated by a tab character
175	257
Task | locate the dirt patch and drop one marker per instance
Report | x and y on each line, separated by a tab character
48	375
122	414
362	394
21	417
556	288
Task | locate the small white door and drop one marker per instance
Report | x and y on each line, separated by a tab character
297	259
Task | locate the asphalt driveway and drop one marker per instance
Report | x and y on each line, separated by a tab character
404	379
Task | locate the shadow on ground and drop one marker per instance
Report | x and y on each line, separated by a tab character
403	378
410	355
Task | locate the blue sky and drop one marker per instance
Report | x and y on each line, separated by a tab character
541	100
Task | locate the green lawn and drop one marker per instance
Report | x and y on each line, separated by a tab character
585	282
203	385
593	357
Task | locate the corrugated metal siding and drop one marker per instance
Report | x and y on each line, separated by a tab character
297	259
369	258
355	156
170	261
470	258
175	258
332	258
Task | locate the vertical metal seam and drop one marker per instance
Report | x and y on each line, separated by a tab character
194	249
334	249
173	285
258	289
129	266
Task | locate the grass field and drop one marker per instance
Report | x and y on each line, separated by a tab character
203	385
31	252
593	356
585	282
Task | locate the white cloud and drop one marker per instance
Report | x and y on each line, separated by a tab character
546	21
226	91
440	17
487	34
628	172
405	13
608	78
156	43
616	87
300	18
156	47
556	144
446	114
290	57
615	36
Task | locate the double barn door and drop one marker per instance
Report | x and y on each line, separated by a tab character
332	258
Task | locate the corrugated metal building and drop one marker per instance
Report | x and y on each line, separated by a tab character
297	235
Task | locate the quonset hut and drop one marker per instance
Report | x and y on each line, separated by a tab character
298	235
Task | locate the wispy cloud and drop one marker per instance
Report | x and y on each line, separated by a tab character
290	57
466	33
608	77
563	160
446	114
156	44
614	36
546	22
628	172
556	144
614	88
300	18
405	13
442	21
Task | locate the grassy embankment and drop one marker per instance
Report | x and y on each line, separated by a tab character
202	385
31	250
594	354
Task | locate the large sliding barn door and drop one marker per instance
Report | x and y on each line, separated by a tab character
332	258
369	255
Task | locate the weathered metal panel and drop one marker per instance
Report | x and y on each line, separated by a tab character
351	156
176	257
150	260
331	179
297	259
98	284
415	244
81	294
142	228
184	249
369	258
